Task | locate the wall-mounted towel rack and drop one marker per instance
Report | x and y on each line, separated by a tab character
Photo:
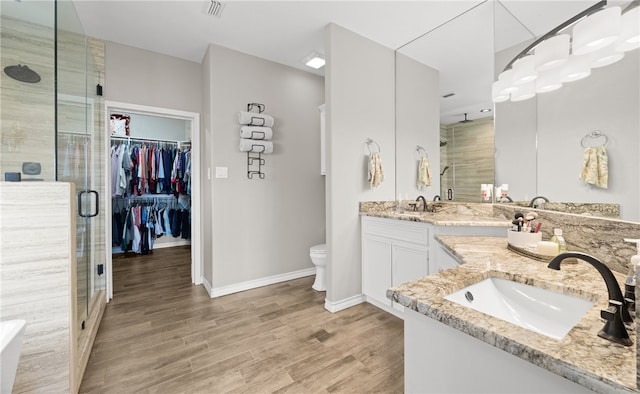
593	136
421	151
258	106
371	142
251	160
255	161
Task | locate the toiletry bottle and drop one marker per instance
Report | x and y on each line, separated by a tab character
559	239
630	282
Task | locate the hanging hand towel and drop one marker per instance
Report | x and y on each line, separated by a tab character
255	119
376	173
595	167
424	173
247	145
256	132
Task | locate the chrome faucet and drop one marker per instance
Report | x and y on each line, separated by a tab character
424	203
532	203
617	313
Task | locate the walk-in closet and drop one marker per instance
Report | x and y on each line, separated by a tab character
151	182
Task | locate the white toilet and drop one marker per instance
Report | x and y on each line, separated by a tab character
318	254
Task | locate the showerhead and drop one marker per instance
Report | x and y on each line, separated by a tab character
443	143
465	119
445	170
22	73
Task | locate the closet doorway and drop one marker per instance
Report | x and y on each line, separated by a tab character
161	130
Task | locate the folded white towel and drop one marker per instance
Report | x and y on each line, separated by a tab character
256	132
255	119
247	145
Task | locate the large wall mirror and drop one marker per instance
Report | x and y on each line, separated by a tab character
535	144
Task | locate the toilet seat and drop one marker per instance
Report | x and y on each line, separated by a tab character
319	249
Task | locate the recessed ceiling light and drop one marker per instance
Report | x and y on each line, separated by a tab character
315	60
485	110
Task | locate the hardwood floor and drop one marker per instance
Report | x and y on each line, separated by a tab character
161	334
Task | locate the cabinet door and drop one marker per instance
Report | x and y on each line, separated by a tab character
376	268
410	262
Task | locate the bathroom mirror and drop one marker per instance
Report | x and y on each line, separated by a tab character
533	153
539	142
458	136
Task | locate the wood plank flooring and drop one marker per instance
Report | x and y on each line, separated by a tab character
161	334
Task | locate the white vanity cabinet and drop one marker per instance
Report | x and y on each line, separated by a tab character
393	252
397	251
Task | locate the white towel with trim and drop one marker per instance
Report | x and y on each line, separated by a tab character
248	145
256	132
376	173
424	173
255	119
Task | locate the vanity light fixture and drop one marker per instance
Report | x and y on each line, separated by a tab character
314	60
600	37
630	31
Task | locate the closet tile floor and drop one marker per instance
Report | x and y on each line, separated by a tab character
161	334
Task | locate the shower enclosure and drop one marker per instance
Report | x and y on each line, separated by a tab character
466	159
52	127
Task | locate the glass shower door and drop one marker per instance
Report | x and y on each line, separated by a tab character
79	151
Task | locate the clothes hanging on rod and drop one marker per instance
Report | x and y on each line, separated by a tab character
136	225
72	148
149	167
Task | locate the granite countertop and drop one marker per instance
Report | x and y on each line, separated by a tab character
446	214
581	356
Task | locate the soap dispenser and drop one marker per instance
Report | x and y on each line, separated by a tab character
630	282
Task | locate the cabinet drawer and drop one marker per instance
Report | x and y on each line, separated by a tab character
396	229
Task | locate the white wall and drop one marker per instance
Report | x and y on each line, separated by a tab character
138	76
417	123
263	227
206	148
360	104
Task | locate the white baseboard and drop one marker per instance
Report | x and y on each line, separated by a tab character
253	284
334	307
170	244
207	286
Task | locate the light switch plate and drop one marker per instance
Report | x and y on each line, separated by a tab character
222	172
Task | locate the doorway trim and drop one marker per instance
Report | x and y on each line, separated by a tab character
196	244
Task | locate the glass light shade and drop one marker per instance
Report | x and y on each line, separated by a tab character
576	67
596	31
523	70
497	94
605	57
548	81
630	33
525	92
506	77
552	52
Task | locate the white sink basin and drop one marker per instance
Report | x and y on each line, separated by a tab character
540	310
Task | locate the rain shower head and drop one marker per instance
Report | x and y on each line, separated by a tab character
465	119
22	73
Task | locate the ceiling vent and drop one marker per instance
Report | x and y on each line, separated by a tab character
214	8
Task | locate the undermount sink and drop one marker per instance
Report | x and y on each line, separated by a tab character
543	311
